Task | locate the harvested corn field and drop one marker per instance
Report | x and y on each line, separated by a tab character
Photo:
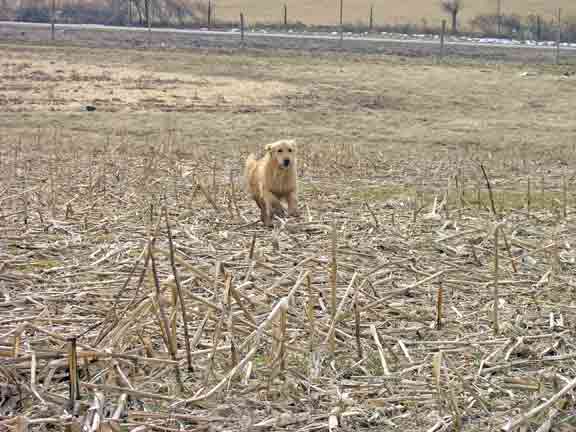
427	285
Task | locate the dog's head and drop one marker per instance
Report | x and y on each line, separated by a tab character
283	152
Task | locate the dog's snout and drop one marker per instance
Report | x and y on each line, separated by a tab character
286	162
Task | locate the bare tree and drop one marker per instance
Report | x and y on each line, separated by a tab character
452	7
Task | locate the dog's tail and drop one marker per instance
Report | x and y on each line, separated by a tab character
251	158
250	161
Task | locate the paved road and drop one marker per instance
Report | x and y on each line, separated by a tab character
185	38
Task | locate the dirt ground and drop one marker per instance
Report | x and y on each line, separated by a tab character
407	295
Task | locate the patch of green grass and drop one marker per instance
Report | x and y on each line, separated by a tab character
383	193
503	200
507	200
104	237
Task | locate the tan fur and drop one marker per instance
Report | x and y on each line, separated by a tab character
269	181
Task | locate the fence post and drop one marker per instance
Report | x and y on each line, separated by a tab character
499	17
371	22
538	28
285	15
209	13
116	13
341	23
241	29
52	20
442	36
148	23
558	35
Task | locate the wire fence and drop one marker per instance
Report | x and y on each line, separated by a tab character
491	20
342	22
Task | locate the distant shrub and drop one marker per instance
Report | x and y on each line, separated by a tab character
569	30
533	27
33	14
90	14
488	24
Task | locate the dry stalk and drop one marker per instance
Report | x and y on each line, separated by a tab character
403	290
528	196
478	195
112	314
378	343
215	341
240	303
357	331
179	293
333	281
496	296
374	217
163	322
437	360
336	316
209	197
282	337
439	305
490	194
564	197
514	423
284	303
310	313
74	391
509	250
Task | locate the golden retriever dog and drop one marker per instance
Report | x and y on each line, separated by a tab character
272	178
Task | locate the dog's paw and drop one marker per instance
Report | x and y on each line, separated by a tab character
267	222
293	213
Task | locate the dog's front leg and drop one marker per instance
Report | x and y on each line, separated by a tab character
270	204
292	200
264	213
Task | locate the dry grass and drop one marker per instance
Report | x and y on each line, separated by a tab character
326	12
63	86
376	309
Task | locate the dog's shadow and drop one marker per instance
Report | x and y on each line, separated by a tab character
281	212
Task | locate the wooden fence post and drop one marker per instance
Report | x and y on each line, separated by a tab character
442	36
371	21
341	23
148	23
52	20
241	29
499	17
129	13
209	13
558	35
